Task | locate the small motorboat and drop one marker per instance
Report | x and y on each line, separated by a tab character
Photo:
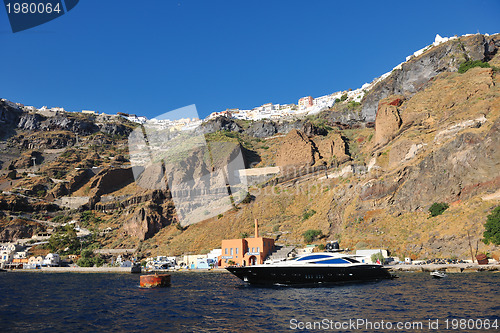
438	274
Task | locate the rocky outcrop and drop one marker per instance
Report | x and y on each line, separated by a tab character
268	128
114	129
416	73
81	126
333	150
45	140
388	121
220	124
457	170
31	121
16	229
107	181
22	204
144	222
158	197
9	117
262	129
76	124
26	160
296	149
344	118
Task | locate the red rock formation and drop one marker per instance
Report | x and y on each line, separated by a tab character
388	120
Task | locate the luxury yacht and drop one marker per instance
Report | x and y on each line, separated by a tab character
314	268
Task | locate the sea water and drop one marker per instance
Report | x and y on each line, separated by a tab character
219	302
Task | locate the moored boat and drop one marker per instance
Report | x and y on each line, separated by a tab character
315	268
438	274
136	268
154	281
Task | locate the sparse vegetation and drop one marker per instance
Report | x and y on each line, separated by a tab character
89	259
311	234
88	217
352	105
61	219
307	214
248	198
438	208
377	256
465	66
65	241
492	226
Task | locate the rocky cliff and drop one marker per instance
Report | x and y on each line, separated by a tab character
416	73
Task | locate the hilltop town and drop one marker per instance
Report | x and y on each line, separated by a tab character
362	166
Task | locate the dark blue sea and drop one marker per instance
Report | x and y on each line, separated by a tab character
219	302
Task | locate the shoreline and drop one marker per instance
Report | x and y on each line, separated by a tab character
448	268
115	270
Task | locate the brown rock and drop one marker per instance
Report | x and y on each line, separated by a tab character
144	222
296	149
333	148
388	120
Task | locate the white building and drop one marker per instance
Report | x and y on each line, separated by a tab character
29	108
51	260
6	257
367	254
34	262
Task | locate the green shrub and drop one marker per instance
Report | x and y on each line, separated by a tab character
343	97
492	226
64	241
377	256
465	66
61	219
244	235
438	208
88	259
88	217
352	105
85	262
248	198
311	234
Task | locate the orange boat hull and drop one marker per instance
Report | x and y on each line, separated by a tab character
153	281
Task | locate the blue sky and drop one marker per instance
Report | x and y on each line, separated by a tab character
152	56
